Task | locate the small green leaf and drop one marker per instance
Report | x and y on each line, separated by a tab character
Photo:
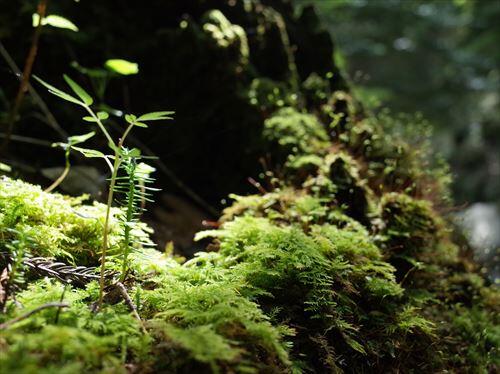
55	91
76	139
54	21
81	93
130	118
354	344
5	167
155	116
134	152
102	115
140	124
123	67
90	153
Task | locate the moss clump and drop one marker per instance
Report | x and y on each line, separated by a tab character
330	285
269	95
296	284
79	341
444	285
226	36
396	155
58	226
199	311
338	180
415	238
410	227
343	266
296	133
178	305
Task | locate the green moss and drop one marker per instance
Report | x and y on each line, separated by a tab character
186	304
227	36
344	266
320	267
296	133
192	306
286	206
79	341
269	95
294	279
316	90
413	232
397	155
339	180
329	283
60	226
63	228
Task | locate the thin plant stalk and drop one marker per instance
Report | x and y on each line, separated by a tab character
104	248
127	229
63	175
112	184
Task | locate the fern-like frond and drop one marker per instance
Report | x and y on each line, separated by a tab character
132	193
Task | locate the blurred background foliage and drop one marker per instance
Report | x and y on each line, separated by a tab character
439	57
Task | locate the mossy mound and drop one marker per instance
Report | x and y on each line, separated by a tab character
196	319
295	284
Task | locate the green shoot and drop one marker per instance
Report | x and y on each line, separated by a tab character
84	100
18	251
72	140
132	186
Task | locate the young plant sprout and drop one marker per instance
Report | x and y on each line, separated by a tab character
121	155
132	187
72	140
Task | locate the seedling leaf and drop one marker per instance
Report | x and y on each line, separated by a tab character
122	67
76	139
130	118
102	115
54	21
57	92
90	153
81	93
156	116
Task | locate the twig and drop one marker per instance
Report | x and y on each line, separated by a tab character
257	185
28	140
130	304
4	325
4	288
56	320
28	67
51	120
59	179
77	276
